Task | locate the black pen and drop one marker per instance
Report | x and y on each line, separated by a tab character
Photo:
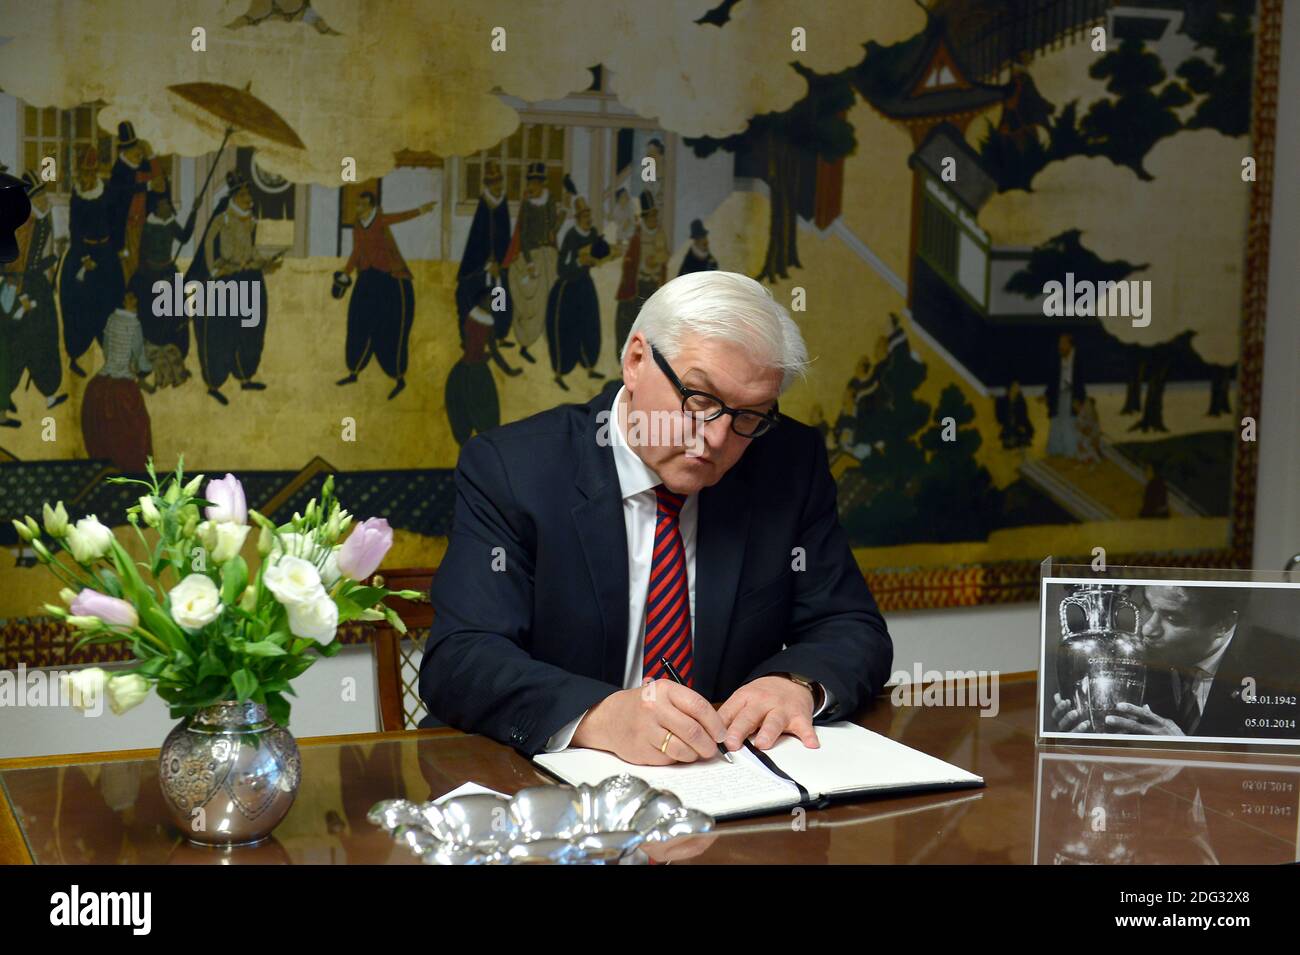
676	679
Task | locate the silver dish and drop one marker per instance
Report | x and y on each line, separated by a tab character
602	824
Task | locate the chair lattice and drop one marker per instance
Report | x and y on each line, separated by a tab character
409	653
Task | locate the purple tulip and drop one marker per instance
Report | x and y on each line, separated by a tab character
364	550
111	610
228	503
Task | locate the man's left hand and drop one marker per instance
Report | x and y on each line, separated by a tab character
770	705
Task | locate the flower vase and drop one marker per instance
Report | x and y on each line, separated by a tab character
229	774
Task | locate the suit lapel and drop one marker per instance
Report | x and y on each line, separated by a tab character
721	534
598	520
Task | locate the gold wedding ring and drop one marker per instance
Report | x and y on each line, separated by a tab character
667	740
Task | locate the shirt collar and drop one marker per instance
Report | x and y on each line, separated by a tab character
634	475
1210	664
365	223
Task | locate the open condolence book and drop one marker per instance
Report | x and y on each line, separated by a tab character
851	762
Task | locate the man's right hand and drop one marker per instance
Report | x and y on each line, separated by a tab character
632	724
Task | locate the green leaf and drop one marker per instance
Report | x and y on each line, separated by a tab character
209	665
298	667
170	528
234	578
154	666
159	560
264	648
132	586
366	596
278	708
329	649
245	683
107	637
110	583
347	609
158	622
209	690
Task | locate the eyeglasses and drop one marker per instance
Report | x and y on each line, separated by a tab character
703	406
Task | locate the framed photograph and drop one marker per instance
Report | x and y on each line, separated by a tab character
1159	659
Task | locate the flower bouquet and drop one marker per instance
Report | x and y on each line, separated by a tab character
220	645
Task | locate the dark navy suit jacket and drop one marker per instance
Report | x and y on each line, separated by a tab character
531	600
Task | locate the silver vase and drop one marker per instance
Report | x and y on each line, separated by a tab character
229	774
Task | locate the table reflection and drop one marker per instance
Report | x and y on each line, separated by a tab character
1161	810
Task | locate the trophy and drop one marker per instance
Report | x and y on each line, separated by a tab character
1100	662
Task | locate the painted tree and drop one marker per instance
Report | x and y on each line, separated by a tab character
955	491
1225	32
786	147
1064	253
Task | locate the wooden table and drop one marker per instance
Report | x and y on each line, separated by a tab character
1040	804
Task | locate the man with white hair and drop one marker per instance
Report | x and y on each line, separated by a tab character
676	518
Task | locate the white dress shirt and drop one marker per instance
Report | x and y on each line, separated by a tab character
1201	678
640	514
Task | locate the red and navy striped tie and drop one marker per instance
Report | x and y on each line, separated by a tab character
668	605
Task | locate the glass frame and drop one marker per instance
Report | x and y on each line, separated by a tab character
771	419
1054	572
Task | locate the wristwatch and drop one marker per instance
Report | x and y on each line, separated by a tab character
813	688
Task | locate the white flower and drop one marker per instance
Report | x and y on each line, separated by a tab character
56	520
149	510
84	687
330	573
89	540
126	690
293	581
293	544
317	620
223	540
297	585
196	602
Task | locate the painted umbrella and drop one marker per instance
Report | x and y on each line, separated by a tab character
237	109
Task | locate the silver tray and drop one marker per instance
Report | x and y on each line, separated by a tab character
605	823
